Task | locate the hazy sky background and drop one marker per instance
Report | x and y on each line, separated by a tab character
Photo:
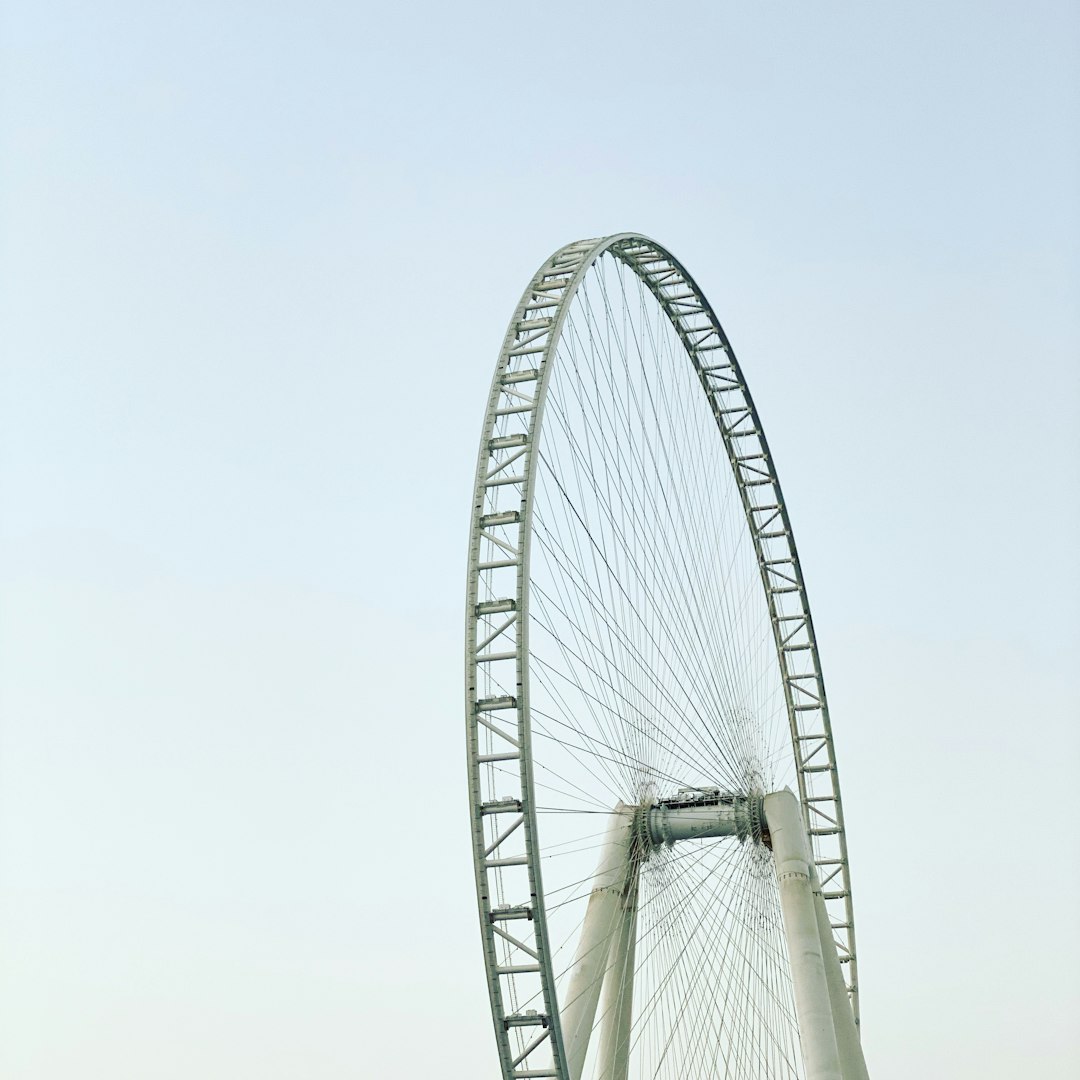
257	261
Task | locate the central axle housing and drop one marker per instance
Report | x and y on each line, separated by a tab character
699	813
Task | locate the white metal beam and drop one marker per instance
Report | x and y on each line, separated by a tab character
852	1062
617	1004
817	1035
602	918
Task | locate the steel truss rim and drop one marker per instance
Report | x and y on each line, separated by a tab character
529	347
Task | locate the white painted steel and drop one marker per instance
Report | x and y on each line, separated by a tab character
503	793
617	1002
669	824
812	1003
599	935
849	1048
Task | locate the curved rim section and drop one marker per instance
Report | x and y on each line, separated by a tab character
504	833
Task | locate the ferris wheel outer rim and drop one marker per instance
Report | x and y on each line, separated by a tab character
577	258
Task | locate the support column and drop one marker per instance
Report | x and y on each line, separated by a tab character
617	1003
602	917
812	1005
852	1062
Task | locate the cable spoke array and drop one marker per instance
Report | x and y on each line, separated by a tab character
653	669
637	625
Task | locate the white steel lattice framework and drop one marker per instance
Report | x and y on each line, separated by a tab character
642	673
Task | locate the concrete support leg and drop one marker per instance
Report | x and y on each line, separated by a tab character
852	1062
617	1003
602	918
821	1057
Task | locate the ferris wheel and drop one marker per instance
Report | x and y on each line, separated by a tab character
660	859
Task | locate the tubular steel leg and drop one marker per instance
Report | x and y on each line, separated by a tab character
602	917
617	1005
852	1062
812	1005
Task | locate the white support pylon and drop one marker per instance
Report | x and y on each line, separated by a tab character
605	958
602	918
813	1008
617	1004
852	1061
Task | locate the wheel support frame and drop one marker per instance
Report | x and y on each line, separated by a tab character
603	969
506	850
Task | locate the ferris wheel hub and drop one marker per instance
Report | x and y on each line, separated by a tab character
701	813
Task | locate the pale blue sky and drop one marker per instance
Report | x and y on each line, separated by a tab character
256	263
